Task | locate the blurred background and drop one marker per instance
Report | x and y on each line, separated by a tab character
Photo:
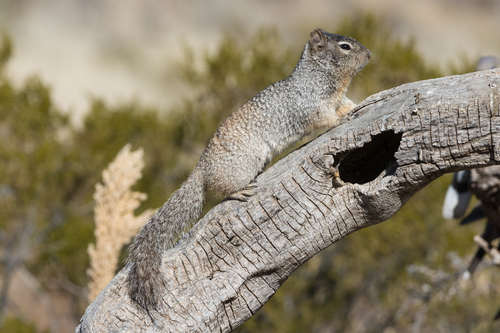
81	79
131	48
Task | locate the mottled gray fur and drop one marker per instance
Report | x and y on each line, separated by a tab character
312	97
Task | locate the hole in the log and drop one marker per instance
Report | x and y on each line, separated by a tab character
364	164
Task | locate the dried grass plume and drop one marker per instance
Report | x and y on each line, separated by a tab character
114	216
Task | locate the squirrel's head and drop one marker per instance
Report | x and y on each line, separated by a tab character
336	54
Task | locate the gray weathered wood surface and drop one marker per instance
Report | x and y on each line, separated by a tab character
394	144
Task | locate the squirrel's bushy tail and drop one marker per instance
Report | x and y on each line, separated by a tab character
146	283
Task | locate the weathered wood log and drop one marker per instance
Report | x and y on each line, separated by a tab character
394	144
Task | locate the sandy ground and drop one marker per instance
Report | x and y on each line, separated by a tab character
131	48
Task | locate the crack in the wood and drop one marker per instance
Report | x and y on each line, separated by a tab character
333	215
336	223
251	233
246	303
220	322
284	232
228	233
307	173
320	234
202	267
294	257
261	232
185	271
229	300
251	292
308	198
321	183
293	197
284	187
318	165
354	111
321	193
173	269
228	295
319	209
223	248
208	307
183	309
193	304
228	318
284	211
300	186
273	223
268	271
230	307
251	237
215	252
209	259
350	213
192	266
295	219
262	277
248	260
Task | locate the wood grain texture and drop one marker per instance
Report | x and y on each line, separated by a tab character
391	146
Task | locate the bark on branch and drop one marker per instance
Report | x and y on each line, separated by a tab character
394	144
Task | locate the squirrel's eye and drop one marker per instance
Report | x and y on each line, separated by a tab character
345	46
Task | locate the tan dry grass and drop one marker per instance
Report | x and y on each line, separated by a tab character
114	216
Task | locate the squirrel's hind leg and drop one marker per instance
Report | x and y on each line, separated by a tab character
244	194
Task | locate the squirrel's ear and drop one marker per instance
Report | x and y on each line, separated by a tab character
318	39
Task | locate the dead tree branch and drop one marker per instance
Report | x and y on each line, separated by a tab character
394	144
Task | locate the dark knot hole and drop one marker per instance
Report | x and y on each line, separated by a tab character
364	164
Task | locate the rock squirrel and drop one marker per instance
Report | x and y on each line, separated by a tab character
312	97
